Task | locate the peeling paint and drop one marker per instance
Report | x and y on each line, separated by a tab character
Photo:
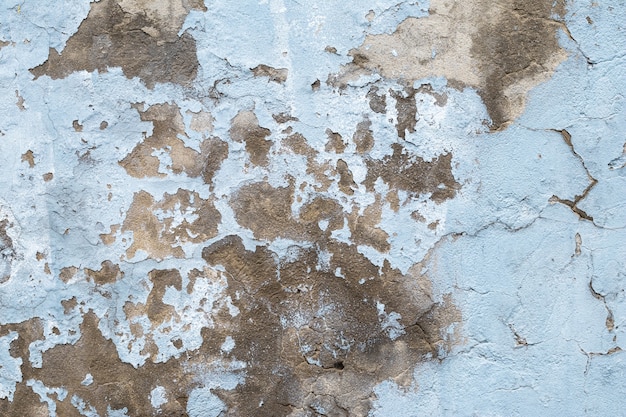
269	208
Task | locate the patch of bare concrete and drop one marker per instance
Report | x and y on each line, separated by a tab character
313	340
278	75
501	49
245	128
403	171
156	229
140	36
167	127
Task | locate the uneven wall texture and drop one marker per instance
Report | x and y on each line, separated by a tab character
312	208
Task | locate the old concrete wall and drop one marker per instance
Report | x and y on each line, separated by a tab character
286	208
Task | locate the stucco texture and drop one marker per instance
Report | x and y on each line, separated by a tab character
312	208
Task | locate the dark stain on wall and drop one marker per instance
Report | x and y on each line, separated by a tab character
411	173
142	45
313	340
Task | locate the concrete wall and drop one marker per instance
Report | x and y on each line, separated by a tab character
312	208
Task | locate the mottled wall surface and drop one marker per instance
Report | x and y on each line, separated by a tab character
284	208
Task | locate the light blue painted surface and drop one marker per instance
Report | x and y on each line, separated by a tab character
502	249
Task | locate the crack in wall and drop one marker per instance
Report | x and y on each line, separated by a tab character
573	204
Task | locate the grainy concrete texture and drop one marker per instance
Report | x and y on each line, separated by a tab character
312	208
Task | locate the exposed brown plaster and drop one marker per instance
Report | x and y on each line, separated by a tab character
167	127
168	124
277	75
67	273
363	136
266	211
363	227
25	401
139	36
346	182
20	101
299	357
441	99
299	145
29	157
77	126
201	121
378	102
154	308
116	384
159	236
245	128
335	142
282	118
109	238
108	273
407	110
403	171
213	151
502	50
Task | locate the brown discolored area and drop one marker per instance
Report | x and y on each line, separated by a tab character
139	36
213	151
245	128
346	182
518	49
201	121
77	126
363	136
20	101
154	226
48	176
25	401
67	273
167	127
154	308
363	227
115	384
407	110
313	339
378	102
403	171
109	238
322	208
69	305
108	273
501	49
441	99
299	145
7	251
277	75
29	157
335	142
266	211
282	118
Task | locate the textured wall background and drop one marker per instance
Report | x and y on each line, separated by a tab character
322	208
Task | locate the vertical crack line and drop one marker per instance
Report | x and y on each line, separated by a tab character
567	32
573	204
610	321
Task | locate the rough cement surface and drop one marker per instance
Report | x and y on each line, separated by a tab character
280	208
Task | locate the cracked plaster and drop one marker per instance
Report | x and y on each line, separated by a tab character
201	226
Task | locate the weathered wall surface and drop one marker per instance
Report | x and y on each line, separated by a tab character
283	208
